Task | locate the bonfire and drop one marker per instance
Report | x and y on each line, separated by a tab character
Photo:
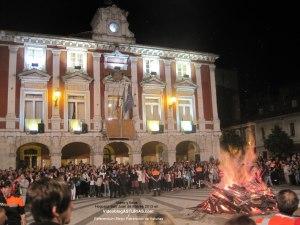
241	189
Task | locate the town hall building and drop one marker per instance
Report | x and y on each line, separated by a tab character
102	98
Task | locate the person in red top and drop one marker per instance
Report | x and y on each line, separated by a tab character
15	211
287	203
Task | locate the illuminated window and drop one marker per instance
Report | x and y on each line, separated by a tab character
183	69
185	113
76	112
151	66
152	112
33	111
35	57
76	107
77	60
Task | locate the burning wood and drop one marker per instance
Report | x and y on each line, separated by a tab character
238	199
241	189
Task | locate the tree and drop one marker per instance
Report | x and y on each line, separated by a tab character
231	141
278	142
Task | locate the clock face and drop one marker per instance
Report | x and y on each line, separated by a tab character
113	27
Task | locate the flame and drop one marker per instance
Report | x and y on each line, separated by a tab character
239	168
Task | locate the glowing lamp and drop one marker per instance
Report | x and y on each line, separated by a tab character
171	101
56	97
186	126
153	125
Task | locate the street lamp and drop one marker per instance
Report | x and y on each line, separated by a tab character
171	101
56	96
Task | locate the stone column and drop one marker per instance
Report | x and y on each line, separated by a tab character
97	154
12	156
97	159
171	156
56	159
214	98
135	92
170	118
11	95
136	157
55	152
201	120
97	92
55	119
216	144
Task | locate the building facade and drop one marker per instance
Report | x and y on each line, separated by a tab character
104	98
255	132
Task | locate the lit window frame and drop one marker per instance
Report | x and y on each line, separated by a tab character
34	120
71	64
156	67
41	58
192	109
180	64
160	109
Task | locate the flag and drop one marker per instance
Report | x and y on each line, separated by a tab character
129	101
123	103
117	109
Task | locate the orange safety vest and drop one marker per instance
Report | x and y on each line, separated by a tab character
278	219
199	169
155	173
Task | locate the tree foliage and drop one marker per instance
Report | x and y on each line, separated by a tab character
278	142
230	141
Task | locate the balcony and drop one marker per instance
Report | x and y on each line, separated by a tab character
187	126
154	126
120	129
77	126
34	126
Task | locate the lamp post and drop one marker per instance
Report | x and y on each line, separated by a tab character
171	101
56	97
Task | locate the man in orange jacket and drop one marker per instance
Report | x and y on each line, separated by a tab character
287	202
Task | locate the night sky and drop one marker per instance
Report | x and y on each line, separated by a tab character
260	40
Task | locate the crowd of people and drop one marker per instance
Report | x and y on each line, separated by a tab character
281	170
118	180
115	180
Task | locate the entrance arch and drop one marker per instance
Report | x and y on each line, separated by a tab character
187	151
76	152
116	152
154	151
33	155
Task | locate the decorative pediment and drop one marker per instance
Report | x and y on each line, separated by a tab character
152	83
110	79
34	76
110	25
77	77
185	86
115	60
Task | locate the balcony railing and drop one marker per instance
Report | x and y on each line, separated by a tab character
187	126
154	126
120	129
32	125
77	126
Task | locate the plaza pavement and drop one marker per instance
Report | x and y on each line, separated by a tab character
92	210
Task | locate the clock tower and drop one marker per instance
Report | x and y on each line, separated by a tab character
110	25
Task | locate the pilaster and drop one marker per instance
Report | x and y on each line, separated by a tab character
201	121
97	91
55	119
135	91
214	97
11	95
170	117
